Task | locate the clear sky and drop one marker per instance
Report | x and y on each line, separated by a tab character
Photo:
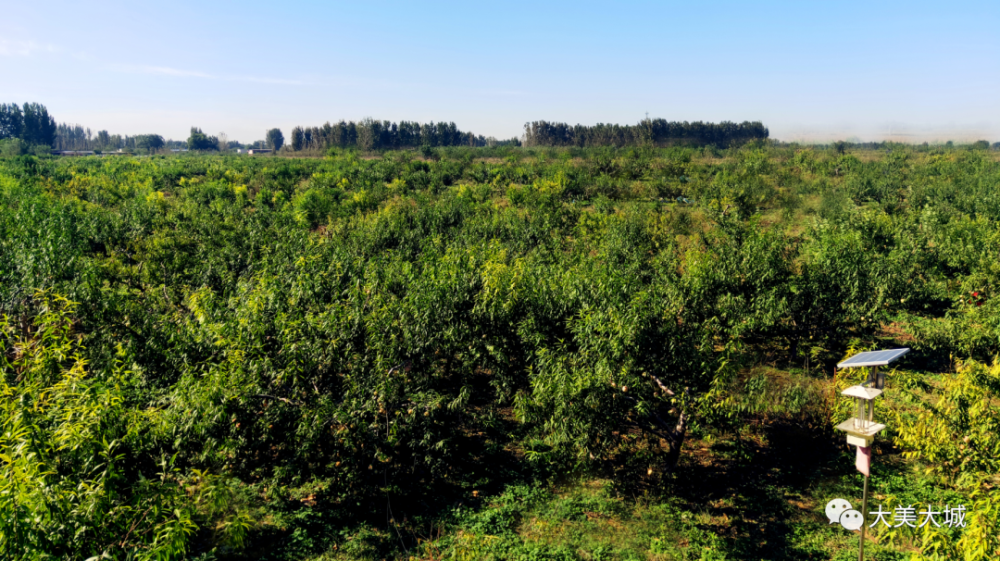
912	70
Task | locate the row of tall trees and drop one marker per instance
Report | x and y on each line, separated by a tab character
77	137
30	123
34	126
74	137
371	134
648	131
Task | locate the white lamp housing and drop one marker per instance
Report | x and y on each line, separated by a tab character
861	428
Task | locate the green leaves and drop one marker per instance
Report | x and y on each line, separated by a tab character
62	487
958	438
361	322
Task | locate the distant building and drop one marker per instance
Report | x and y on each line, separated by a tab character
72	152
253	151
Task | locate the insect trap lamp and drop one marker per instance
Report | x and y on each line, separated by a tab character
862	427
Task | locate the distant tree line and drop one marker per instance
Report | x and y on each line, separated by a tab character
31	124
77	137
372	134
74	137
841	146
31	127
648	131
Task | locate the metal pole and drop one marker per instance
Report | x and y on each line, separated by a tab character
864	520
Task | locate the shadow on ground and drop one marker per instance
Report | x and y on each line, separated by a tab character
759	488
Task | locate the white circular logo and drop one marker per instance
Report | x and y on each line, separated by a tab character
851	519
835	508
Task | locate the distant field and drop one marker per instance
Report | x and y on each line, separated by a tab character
494	353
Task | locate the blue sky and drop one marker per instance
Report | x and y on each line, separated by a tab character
810	70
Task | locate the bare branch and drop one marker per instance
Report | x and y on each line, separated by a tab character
662	386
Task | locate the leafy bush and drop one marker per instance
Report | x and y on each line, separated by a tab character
958	438
66	489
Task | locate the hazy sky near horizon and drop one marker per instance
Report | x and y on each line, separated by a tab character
913	70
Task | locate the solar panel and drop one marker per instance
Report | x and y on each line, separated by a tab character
873	358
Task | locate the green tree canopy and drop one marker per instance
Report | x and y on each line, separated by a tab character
151	142
39	126
10	147
11	121
32	124
275	140
298	138
199	141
